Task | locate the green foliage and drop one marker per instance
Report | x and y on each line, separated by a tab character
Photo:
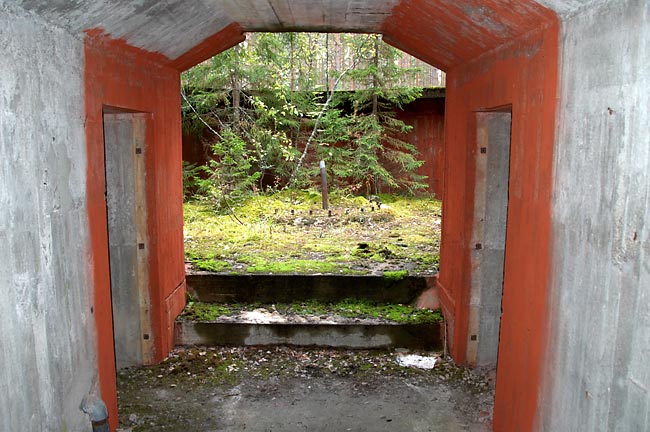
191	178
259	102
232	173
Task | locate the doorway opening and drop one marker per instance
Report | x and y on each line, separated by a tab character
491	191
298	231
124	155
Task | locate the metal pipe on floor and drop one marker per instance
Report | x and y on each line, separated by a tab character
98	413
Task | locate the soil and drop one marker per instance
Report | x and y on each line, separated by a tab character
290	389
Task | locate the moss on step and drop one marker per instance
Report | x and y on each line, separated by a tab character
350	308
395	275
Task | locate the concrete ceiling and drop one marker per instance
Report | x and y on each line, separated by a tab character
567	7
455	29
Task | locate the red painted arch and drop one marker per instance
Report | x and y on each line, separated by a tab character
496	53
489	67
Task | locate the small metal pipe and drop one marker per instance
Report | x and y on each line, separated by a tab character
98	413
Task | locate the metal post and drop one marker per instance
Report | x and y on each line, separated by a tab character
323	178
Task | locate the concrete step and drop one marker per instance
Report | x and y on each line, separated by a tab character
353	336
267	326
219	288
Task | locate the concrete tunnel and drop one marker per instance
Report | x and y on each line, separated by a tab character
557	88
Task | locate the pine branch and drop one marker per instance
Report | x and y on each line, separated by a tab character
199	115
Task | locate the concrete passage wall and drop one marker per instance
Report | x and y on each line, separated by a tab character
129	79
598	378
47	346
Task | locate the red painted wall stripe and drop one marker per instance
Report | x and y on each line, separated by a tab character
226	38
124	77
519	70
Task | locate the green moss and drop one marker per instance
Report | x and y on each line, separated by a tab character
392	312
351	308
395	275
279	235
205	312
211	265
293	266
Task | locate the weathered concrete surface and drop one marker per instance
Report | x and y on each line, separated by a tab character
125	150
296	389
598	377
334	404
492	154
217	288
567	7
358	335
47	353
175	27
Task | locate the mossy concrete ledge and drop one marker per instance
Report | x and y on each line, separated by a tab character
219	288
351	336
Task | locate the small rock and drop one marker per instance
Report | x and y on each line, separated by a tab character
484	416
417	361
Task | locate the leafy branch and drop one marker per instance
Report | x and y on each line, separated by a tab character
323	110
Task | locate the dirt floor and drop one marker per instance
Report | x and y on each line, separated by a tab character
289	389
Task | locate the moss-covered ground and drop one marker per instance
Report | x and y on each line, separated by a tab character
288	232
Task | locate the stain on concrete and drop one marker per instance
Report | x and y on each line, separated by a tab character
48	343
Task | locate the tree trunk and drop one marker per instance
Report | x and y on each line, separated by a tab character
375	81
236	89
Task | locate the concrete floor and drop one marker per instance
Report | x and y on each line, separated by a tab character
284	389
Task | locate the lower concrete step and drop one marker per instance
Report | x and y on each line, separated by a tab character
343	325
359	335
